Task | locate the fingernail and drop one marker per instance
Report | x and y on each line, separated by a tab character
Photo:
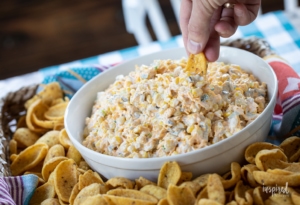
193	47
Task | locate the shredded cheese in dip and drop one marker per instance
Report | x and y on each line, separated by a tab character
162	110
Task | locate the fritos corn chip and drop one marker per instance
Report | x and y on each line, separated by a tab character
97	199
170	173
74	193
65	178
28	158
259	196
273	179
64	139
74	154
185	176
155	191
50	138
90	190
271	159
120	182
215	189
56	150
50	201
13	157
291	149
180	195
141	182
279	199
293	167
235	176
131	195
202	194
247	174
13	149
50	166
201	180
21	122
49	93
295	195
46	191
35	114
111	199
193	186
254	148
163	202
25	137
89	177
208	202
56	112
197	63
243	193
83	165
37	168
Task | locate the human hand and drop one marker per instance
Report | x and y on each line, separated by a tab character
203	22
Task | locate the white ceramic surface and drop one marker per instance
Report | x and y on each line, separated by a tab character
214	158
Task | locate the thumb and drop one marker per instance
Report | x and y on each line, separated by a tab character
201	23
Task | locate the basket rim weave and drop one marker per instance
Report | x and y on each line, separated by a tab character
12	105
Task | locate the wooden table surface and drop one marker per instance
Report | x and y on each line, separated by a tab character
36	34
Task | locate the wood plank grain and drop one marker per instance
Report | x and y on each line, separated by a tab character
36	34
47	34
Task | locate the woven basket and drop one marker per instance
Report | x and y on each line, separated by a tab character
12	106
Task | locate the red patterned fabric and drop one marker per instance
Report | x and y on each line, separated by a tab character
286	117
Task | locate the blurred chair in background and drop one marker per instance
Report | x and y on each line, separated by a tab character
135	12
291	6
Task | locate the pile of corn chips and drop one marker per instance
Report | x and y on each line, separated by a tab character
41	146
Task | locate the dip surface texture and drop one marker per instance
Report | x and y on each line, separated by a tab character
162	110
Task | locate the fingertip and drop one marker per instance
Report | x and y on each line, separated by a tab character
193	47
211	54
212	49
